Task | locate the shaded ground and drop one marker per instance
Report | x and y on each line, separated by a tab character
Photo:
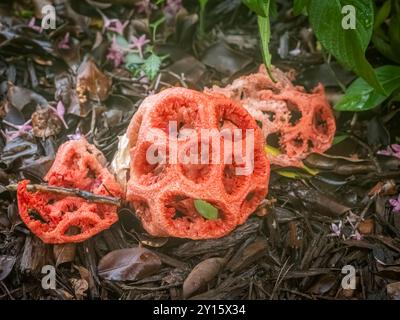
315	224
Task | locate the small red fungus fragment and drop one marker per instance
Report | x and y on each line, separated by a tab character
56	218
163	193
294	121
79	164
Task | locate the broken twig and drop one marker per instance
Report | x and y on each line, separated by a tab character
89	196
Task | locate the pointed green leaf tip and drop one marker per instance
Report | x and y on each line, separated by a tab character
207	210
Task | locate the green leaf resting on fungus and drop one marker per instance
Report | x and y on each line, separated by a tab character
207	210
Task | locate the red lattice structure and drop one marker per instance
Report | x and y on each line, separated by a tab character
163	194
56	218
294	121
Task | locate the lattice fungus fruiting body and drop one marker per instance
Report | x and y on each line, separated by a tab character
163	193
56	218
296	122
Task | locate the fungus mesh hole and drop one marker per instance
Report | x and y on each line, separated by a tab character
150	163
184	113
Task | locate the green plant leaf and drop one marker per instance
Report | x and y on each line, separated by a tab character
207	210
361	96
26	13
381	42
292	174
382	14
300	6
121	41
339	138
265	34
203	4
272	150
346	45
261	7
309	170
154	26
394	33
133	58
273	9
133	62
152	65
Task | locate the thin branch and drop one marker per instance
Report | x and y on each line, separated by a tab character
89	196
369	149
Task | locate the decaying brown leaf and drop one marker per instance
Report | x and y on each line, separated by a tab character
393	290
201	275
251	253
45	123
366	226
120	165
195	247
19	97
6	266
324	204
92	83
80	286
64	253
65	91
323	284
224	59
129	264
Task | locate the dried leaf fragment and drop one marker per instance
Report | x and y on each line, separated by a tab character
45	123
92	83
129	264
201	275
64	253
6	266
393	290
251	253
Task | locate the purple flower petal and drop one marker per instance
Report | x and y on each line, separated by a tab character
33	26
172	7
139	43
76	136
145	6
115	53
60	109
114	25
20	130
386	152
392	150
396	147
64	43
395	203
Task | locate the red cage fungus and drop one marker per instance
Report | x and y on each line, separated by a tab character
292	120
56	218
163	194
